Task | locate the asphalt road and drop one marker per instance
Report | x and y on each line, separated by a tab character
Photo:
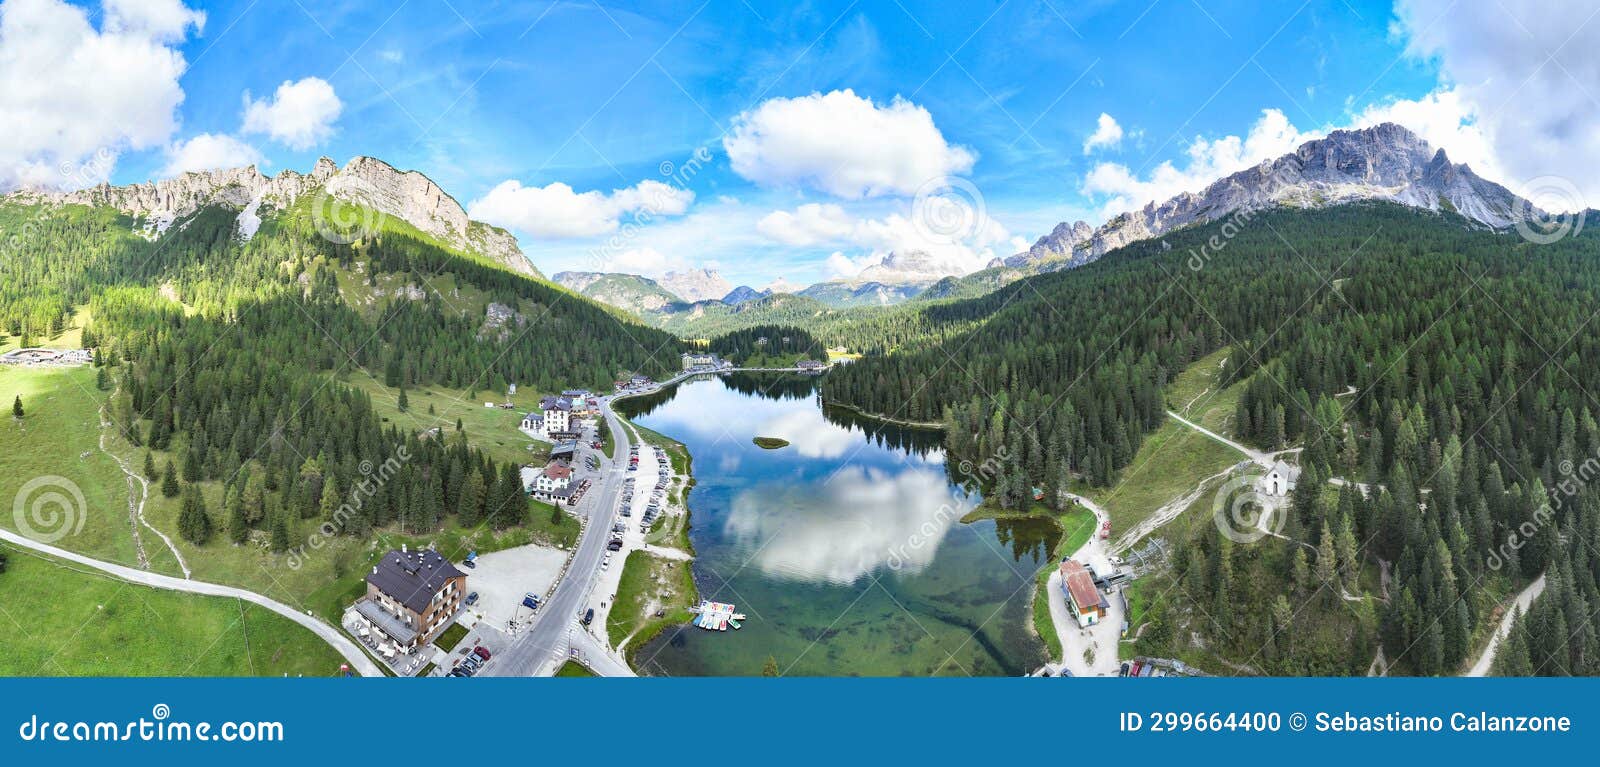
538	649
353	654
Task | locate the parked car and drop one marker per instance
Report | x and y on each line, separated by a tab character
481	652
615	544
472	599
469	564
588	616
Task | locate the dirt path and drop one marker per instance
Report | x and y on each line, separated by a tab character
136	508
1165	514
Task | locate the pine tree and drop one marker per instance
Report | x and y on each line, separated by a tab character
1327	571
16	407
149	466
238	525
193	522
403	404
169	482
280	532
469	509
770	668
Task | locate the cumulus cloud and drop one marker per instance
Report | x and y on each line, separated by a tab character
1517	78
954	231
843	145
164	20
1107	134
556	210
1207	160
75	95
209	151
299	115
840	266
808	224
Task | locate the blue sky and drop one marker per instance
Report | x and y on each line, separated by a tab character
997	98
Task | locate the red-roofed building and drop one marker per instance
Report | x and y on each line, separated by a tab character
1083	599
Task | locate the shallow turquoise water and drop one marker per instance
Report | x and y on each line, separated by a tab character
844	548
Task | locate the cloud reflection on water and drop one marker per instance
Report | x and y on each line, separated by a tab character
839	532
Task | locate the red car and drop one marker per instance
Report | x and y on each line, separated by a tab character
480	652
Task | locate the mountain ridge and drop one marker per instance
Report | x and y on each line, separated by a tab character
1382	162
407	195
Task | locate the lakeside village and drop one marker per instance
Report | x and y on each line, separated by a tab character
415	616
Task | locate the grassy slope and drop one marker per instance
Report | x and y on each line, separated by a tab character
1173	460
59	438
59	620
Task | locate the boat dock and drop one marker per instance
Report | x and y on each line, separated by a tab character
716	616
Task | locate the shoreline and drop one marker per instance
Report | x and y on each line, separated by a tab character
881	418
653	628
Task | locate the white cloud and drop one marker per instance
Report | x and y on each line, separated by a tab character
164	20
954	231
1107	135
74	96
299	114
209	151
556	210
1271	136
809	224
840	266
842	144
1517	82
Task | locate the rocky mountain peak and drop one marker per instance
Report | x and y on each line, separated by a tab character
406	195
1381	162
696	284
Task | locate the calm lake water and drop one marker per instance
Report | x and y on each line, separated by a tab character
844	548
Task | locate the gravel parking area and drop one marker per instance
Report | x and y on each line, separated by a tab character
503	577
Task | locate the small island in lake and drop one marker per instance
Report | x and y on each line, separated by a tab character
771	443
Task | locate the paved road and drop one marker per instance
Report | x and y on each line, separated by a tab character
352	653
537	649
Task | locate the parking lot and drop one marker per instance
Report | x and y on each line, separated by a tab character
501	579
